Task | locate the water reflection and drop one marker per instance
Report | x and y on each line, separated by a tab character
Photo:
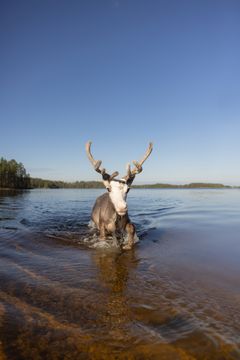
114	271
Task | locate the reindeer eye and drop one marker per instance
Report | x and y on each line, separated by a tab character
108	189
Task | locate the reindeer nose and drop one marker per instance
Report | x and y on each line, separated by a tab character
122	210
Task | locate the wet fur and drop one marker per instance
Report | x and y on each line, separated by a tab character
108	221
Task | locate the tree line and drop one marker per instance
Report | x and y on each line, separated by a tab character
185	186
13	175
51	184
58	184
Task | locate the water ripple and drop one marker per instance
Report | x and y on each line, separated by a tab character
176	295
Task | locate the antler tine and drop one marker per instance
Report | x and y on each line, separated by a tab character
148	152
138	165
128	168
97	163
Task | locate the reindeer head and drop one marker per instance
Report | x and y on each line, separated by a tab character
118	189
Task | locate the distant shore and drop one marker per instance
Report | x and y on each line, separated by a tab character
185	186
40	183
13	176
51	184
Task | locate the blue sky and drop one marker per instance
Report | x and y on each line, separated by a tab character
122	73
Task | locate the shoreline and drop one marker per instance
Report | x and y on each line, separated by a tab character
59	184
141	187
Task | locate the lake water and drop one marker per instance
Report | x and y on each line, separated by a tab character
176	295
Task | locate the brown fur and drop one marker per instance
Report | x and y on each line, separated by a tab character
108	221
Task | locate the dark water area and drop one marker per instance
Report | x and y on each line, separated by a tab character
176	295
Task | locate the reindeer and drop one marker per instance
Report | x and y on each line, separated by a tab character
110	211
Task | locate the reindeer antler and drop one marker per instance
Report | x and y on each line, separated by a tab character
97	163
138	165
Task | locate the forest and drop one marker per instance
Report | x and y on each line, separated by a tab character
13	175
51	184
185	186
58	184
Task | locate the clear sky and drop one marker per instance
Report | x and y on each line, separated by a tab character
122	73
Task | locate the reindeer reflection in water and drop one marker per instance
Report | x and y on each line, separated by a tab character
115	273
110	212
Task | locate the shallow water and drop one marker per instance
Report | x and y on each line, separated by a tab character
176	295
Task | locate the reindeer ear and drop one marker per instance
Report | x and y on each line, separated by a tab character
106	182
130	180
106	177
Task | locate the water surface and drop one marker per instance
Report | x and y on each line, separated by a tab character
176	295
